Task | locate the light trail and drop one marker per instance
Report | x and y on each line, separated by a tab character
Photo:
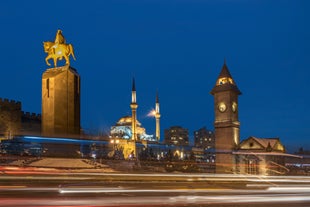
274	180
158	200
83	189
303	189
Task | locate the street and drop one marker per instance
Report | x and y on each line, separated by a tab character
111	189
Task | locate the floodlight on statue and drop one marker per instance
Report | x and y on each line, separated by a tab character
58	50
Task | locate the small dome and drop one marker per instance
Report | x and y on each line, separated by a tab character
126	121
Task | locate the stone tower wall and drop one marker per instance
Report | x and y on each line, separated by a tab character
10	117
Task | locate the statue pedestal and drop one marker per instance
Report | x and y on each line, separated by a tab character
61	102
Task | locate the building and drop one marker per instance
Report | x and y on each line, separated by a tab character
204	138
226	124
128	132
176	135
263	156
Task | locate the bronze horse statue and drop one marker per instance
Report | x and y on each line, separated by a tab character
58	51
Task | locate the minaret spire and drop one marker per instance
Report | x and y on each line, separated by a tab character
157	98
157	117
133	91
133	106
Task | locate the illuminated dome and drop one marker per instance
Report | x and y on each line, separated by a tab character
126	121
122	130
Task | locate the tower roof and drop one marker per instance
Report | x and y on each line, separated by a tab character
224	72
225	82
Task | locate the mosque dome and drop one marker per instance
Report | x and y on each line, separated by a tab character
123	130
126	121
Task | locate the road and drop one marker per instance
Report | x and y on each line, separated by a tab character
111	189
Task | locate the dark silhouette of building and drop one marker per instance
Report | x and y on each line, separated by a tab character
204	138
176	135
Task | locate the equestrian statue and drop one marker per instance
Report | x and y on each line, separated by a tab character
58	49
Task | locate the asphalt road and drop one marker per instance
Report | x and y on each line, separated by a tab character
97	189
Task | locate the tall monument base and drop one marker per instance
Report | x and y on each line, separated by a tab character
61	102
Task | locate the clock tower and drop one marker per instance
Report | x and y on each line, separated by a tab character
226	124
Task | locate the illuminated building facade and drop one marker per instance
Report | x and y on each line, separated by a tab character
128	127
261	156
128	130
226	124
123	130
176	135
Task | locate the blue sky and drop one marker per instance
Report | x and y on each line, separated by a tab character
176	47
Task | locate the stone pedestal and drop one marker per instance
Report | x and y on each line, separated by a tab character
61	102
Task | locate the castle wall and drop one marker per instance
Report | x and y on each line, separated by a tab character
10	117
30	124
13	121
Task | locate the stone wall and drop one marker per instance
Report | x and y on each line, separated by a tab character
10	117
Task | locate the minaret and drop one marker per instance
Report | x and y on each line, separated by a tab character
226	124
133	106
157	117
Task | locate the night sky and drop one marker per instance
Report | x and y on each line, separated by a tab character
176	47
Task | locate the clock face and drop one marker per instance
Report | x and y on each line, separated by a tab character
222	107
234	106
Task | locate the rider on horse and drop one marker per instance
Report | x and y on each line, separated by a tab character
60	39
58	49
